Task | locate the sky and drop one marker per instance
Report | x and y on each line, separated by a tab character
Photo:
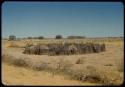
48	19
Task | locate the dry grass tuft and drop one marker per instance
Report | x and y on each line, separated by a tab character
120	65
40	66
80	61
63	65
20	62
92	74
13	45
103	77
15	61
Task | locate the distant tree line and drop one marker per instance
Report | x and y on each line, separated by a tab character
76	37
13	37
59	37
39	37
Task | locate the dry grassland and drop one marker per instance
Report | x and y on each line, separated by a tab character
105	68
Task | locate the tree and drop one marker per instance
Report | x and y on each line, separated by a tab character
29	37
12	37
58	37
40	37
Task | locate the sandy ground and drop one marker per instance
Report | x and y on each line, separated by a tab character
12	75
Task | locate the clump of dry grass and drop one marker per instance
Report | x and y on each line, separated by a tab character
103	77
120	65
13	45
85	74
15	61
80	61
92	74
6	58
76	74
20	62
40	66
63	65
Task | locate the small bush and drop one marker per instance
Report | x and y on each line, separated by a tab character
93	74
40	66
20	62
15	61
76	74
102	77
63	65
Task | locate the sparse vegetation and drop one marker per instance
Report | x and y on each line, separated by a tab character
101	73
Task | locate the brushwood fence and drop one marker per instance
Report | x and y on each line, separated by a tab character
64	49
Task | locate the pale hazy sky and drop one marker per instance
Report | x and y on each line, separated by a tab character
92	19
